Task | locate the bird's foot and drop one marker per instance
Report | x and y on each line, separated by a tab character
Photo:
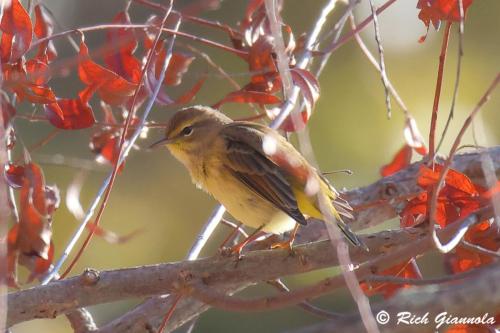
285	246
235	251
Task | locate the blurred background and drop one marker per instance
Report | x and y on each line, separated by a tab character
348	129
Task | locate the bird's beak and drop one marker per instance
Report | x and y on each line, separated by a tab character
161	142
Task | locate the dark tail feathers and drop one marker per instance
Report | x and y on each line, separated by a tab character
351	236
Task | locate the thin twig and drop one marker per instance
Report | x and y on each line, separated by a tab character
459	67
372	60
42	142
235	226
139	26
305	305
336	31
213	64
383	73
437	93
35	118
479	249
419	282
169	314
202	21
334	46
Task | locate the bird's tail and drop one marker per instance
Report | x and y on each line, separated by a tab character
351	236
342	208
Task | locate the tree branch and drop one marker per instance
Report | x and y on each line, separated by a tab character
480	292
386	248
94	287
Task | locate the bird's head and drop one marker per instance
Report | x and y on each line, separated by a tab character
189	130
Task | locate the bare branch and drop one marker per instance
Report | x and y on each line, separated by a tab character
81	321
480	249
480	292
383	73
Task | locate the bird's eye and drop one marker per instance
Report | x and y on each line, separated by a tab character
187	131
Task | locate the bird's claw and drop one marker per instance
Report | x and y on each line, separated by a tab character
285	246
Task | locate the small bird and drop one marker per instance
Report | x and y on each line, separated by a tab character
258	176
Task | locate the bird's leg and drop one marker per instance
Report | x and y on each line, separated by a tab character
239	247
232	234
287	244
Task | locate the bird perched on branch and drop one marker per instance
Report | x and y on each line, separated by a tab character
258	176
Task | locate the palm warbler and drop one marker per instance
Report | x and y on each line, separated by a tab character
260	178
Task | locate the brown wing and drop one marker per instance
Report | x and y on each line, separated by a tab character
248	163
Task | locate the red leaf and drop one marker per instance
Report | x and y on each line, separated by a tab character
121	58
109	151
455	179
8	111
293	125
112	88
106	144
29	241
76	113
308	84
416	211
261	58
471	328
38	94
16	25
243	96
177	67
16	80
152	81
44	26
191	93
400	161
14	175
457	198
110	236
484	235
149	34
41	265
252	7
12	255
495	190
413	137
37	72
407	270
434	11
